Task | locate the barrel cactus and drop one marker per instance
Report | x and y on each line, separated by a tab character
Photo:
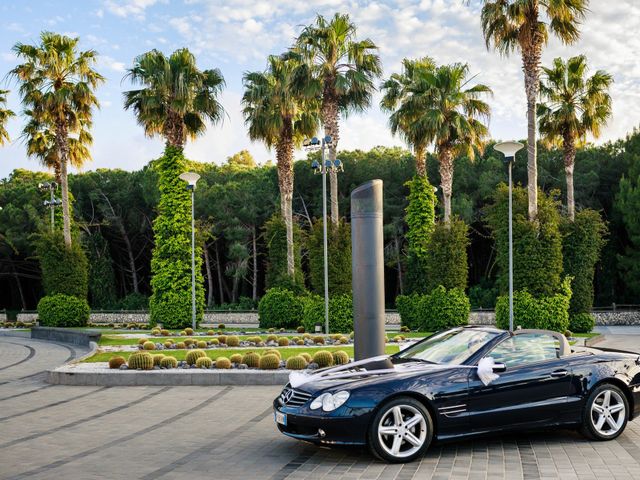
306	356
181	345
168	344
183	333
188	331
116	362
211	332
155	331
157	359
193	356
165	333
318	340
169	362
233	341
272	338
149	346
222	339
306	336
141	361
323	358
340	357
142	340
202	344
271	330
251	359
215	341
223	362
204	362
274	352
283	342
300	329
236	358
269	361
296	363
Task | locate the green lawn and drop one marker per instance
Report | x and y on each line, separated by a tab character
227	352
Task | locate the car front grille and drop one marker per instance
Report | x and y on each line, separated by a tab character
292	397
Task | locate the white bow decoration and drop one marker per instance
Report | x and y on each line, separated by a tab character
485	370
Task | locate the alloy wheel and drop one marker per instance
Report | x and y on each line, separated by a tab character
608	413
402	431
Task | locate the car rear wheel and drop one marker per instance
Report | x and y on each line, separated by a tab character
401	431
606	413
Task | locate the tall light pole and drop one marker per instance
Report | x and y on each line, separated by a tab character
509	149
53	202
322	168
191	179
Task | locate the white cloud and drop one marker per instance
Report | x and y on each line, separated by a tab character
129	8
108	62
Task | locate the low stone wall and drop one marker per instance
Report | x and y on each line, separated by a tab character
3	316
482	317
631	317
27	317
64	335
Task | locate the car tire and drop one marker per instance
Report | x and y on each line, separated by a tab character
605	414
401	430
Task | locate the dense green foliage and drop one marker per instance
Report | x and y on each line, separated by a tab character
549	312
276	240
582	242
64	270
280	308
446	262
628	204
340	313
435	311
537	246
420	220
170	302
102	284
60	310
339	258
581	322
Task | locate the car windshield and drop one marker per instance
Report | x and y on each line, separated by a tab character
449	347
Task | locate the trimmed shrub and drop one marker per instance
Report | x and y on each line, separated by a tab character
440	309
116	362
279	307
323	358
276	238
204	362
157	359
233	341
149	346
193	355
63	311
296	363
340	313
251	359
446	260
168	362
283	342
581	322
340	357
141	361
339	246
269	361
236	358
306	356
64	270
547	312
223	363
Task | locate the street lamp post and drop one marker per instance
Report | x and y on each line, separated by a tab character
191	179
509	149
53	202
322	168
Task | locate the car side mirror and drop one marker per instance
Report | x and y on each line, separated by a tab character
499	368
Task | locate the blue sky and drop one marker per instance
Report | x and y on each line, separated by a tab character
237	35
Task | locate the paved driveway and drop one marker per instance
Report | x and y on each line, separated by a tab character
63	432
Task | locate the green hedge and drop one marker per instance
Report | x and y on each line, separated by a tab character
339	255
446	261
438	310
581	322
544	312
63	311
275	234
64	270
340	313
280	308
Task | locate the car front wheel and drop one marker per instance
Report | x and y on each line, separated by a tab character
606	413
401	430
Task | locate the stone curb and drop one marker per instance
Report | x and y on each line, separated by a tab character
590	342
125	378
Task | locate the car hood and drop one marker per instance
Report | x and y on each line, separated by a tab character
401	371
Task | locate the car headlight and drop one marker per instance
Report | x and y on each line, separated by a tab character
329	402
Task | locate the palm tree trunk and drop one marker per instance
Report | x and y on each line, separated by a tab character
445	158
531	65
207	264
254	246
421	161
330	116
174	129
62	145
284	153
569	163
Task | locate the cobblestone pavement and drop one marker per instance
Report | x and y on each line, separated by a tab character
221	433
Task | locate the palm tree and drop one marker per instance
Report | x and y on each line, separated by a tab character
5	114
402	91
515	24
573	107
451	115
280	116
344	69
57	84
177	97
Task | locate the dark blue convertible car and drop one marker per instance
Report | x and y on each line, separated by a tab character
440	389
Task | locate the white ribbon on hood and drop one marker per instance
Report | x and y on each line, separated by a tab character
296	379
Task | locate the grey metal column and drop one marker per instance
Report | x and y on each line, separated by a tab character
367	246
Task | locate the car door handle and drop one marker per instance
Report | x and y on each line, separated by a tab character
559	373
